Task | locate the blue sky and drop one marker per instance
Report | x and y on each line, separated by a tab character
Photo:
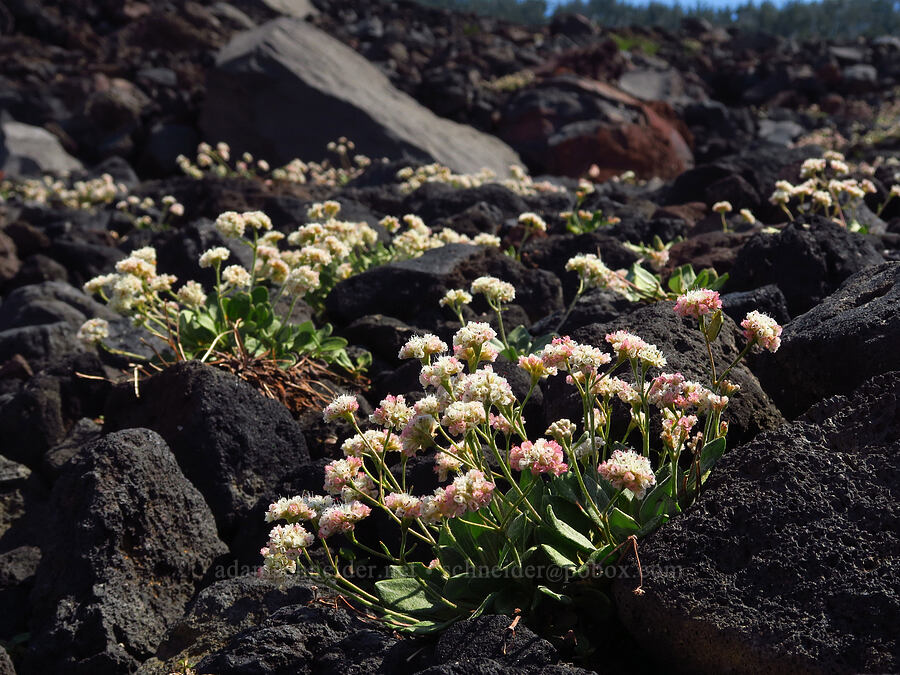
685	3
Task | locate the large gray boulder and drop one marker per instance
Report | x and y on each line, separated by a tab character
788	562
299	9
26	150
285	89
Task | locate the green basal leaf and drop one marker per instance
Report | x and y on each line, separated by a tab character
568	533
205	321
652	524
451	559
717	283
600	556
688	276
260	295
658	500
566	487
469	588
405	594
484	606
557	558
237	307
306	328
676	282
553	595
621	521
710	454
573	514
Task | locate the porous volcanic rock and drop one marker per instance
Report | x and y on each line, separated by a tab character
230	441
218	613
850	336
807	260
129	540
299	88
303	639
788	561
410	290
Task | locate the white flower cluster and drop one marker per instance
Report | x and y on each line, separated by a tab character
217	161
593	273
79	194
519	182
827	187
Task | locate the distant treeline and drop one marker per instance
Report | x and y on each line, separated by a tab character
796	18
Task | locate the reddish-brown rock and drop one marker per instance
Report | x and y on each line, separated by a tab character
567	124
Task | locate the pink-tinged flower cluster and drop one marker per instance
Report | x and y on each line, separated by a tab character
630	346
586	359
460	416
698	303
418	434
676	428
671	389
340	473
500	423
762	330
468	492
392	413
288	540
293	509
487	352
445	463
440	371
342	407
712	402
342	518
374	441
626	469
473	335
403	505
534	365
485	386
558	352
429	405
422	347
542	456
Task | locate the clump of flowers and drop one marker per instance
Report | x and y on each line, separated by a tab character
580	220
65	191
145	213
656	253
335	249
507	500
219	161
238	314
829	189
519	181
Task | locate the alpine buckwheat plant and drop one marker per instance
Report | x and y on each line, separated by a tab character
238	316
519	181
517	522
64	191
218	161
829	189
